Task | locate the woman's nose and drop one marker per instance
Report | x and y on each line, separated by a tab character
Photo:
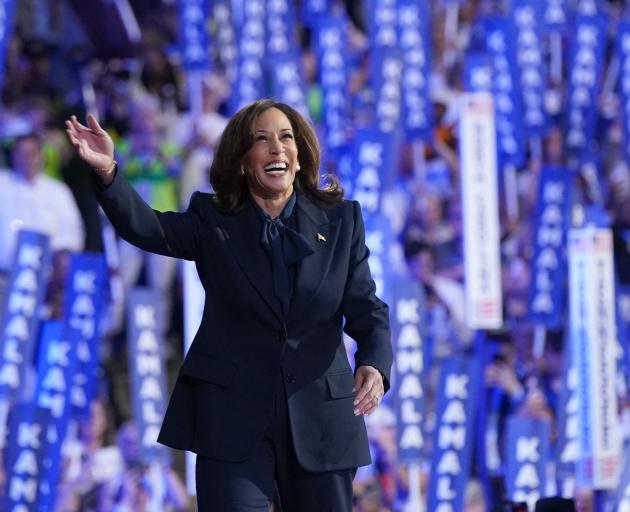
275	145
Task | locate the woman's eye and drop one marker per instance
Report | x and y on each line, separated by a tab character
287	136
261	137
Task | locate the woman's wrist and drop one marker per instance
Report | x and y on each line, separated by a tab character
106	175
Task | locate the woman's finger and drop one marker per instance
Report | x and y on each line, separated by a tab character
94	126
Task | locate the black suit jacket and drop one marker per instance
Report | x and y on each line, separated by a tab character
223	399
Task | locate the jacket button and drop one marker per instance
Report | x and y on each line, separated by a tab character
290	378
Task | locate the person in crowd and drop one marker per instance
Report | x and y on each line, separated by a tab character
266	396
30	200
130	490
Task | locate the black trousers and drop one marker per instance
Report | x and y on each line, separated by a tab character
250	486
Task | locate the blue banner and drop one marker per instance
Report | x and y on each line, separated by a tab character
415	45
379	239
622	295
507	102
407	328
331	44
249	84
194	36
225	37
313	10
567	449
527	455
145	344
587	59
23	298
374	167
552	219
478	73
526	15
29	435
57	360
85	293
457	395
555	15
283	58
7	9
623	54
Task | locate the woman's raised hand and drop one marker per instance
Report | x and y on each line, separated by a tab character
93	145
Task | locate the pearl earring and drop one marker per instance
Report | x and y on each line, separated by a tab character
298	167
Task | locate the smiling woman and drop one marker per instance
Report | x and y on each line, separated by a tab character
266	396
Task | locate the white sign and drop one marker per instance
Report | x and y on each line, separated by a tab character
478	156
593	338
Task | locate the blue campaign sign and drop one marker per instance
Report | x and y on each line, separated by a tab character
623	54
282	58
555	15
373	165
85	293
312	10
379	239
145	345
249	83
587	58
457	403
526	16
7	9
567	448
527	454
22	302
408	381
30	433
478	73
194	34
552	219
414	41
501	49
56	365
331	46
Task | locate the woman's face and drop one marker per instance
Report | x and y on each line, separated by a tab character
271	163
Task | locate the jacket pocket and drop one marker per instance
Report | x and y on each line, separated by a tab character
340	385
209	369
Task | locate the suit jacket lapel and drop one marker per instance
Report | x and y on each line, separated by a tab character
243	230
321	233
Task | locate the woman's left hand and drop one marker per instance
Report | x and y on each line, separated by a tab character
369	389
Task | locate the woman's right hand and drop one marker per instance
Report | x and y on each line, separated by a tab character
93	145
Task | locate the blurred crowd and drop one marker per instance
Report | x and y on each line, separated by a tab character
165	151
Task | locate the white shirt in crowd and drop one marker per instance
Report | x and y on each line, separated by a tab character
45	205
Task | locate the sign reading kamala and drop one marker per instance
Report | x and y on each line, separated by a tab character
567	445
589	42
592	327
407	327
7	9
478	157
194	36
527	450
551	220
85	290
623	53
147	369
332	46
509	112
250	32
57	359
415	43
457	396
531	63
29	435
24	296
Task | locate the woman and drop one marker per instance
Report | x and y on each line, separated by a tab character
266	396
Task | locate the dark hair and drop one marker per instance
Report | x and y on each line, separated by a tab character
230	185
